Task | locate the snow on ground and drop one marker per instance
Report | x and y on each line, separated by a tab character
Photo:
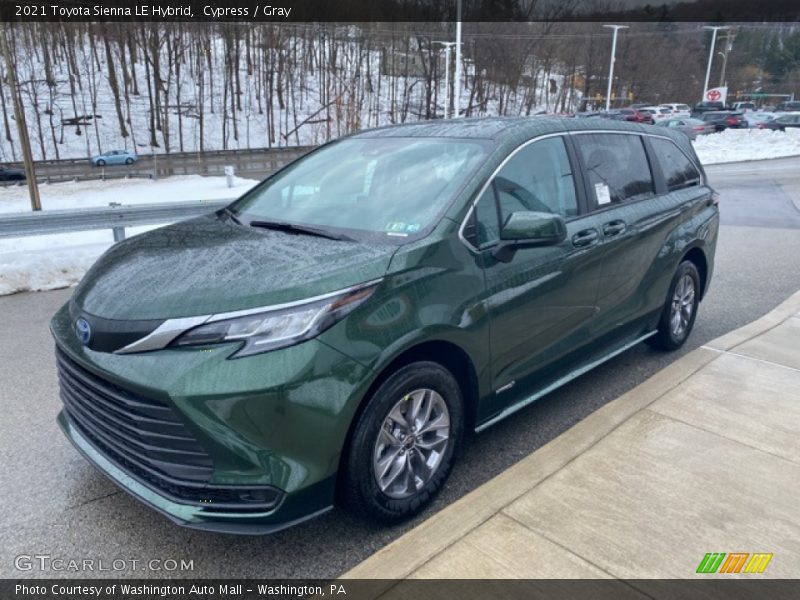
735	145
54	261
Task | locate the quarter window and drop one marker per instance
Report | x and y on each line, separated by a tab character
679	172
537	178
616	166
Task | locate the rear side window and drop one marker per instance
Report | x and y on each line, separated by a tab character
616	166
679	171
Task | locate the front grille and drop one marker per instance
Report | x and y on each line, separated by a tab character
147	440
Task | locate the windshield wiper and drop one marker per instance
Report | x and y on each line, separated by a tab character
232	216
294	228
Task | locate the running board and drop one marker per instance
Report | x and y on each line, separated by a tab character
559	382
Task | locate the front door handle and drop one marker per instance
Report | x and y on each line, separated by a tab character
613	228
587	237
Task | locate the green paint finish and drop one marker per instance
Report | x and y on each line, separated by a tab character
519	324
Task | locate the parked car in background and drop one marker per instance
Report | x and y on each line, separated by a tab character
744	107
11	174
659	113
587	114
754	118
725	119
114	157
704	107
782	122
788	106
333	334
689	126
679	111
633	115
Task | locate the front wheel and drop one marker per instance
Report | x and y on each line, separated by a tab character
403	445
101	163
680	308
128	161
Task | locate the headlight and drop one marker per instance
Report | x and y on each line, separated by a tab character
277	327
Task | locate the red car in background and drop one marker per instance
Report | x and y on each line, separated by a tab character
633	115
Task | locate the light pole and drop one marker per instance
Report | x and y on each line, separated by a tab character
715	29
457	88
728	48
447	46
616	29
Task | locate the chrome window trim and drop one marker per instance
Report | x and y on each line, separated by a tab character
465	220
489	180
170	329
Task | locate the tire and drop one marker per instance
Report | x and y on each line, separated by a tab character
676	323
128	161
377	444
101	163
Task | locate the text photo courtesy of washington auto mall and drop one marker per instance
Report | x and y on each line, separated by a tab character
399	299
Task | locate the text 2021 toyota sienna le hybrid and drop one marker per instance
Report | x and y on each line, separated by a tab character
333	333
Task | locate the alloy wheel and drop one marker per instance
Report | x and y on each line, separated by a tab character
682	306
411	443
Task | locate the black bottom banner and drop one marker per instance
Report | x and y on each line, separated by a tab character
350	589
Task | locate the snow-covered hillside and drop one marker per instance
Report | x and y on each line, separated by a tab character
215	89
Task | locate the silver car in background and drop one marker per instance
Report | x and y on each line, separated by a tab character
754	119
691	127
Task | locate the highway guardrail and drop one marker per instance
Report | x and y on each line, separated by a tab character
114	216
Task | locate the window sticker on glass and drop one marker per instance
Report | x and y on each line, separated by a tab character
395	227
602	194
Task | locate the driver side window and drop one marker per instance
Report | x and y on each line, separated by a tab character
537	178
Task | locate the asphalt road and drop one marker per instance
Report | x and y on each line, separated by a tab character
55	504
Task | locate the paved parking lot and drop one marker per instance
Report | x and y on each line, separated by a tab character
57	505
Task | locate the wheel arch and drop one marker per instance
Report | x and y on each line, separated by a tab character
697	256
446	353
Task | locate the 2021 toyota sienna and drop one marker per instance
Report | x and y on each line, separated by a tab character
333	333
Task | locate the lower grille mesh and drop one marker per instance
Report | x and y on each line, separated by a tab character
147	440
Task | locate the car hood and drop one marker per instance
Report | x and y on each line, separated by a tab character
207	265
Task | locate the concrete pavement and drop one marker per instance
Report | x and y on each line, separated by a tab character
702	457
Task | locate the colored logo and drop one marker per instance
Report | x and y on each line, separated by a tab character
735	562
83	330
714	95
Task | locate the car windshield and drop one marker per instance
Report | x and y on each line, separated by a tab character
387	186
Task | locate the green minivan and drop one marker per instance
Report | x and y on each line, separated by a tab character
332	335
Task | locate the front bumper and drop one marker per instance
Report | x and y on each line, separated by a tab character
300	508
276	421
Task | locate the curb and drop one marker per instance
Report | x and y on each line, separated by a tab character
412	550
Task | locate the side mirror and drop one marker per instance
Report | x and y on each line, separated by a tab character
526	229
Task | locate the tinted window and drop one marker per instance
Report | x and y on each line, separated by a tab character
616	166
678	170
537	178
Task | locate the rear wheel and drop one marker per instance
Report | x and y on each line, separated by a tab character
128	161
403	444
680	308
101	163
